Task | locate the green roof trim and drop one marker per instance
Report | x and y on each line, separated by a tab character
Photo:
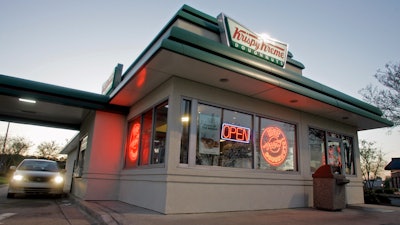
211	23
197	13
203	49
187	43
200	19
295	63
19	87
49	88
194	40
186	13
62	125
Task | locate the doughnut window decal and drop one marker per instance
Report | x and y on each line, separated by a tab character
133	151
274	146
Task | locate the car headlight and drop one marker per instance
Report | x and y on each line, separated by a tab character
58	179
18	177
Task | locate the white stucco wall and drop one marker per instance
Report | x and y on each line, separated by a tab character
176	188
69	167
105	160
146	189
79	184
103	157
215	191
146	186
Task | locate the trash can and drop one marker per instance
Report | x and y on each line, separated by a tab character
329	188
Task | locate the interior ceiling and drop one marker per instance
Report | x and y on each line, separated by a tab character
166	64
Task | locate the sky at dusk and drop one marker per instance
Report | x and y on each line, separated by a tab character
77	43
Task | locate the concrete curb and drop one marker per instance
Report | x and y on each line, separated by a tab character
374	207
97	212
113	213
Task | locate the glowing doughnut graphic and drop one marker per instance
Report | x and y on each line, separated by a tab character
274	146
133	150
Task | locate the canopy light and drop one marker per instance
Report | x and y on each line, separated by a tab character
27	100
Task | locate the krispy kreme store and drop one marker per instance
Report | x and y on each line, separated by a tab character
218	119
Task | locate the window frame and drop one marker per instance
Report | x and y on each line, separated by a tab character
256	118
79	162
141	117
295	143
341	137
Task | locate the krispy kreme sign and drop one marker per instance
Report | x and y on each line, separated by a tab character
239	37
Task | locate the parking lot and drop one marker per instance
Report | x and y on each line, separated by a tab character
45	210
40	210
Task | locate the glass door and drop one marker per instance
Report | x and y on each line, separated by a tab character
334	153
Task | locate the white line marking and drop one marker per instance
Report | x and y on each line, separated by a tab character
4	216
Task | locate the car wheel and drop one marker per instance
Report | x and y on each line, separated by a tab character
10	195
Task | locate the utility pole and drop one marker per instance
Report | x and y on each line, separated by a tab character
2	159
5	138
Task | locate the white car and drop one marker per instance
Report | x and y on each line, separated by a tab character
36	176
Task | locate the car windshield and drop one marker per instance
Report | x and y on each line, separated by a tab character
39	166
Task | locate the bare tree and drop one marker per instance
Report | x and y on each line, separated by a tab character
13	149
19	146
48	149
372	162
15	145
387	96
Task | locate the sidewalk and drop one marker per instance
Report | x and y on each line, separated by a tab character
116	212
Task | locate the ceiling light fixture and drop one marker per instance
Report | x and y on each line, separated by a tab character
27	100
185	119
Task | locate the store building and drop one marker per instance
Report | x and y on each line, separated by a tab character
212	118
394	167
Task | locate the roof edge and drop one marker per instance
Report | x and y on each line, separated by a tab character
18	87
36	86
236	66
194	40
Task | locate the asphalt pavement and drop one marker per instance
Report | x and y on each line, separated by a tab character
116	212
79	212
42	210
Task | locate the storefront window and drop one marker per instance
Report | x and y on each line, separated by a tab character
185	119
160	134
79	163
224	138
348	155
276	146
209	129
132	150
235	145
332	149
228	138
147	138
317	148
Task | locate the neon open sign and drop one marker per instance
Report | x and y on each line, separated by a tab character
232	132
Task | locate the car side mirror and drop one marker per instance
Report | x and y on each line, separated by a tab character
13	168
